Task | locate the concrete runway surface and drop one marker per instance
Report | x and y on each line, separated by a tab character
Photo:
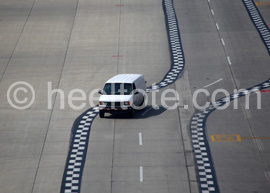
81	44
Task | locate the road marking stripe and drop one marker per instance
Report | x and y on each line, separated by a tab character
140	138
262	3
212	11
141	174
213	83
232	138
223	42
217	26
229	60
255	137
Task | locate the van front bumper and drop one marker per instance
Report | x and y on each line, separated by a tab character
111	109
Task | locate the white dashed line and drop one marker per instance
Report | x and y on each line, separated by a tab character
222	41
140	138
217	26
212	11
208	1
213	83
229	60
141	174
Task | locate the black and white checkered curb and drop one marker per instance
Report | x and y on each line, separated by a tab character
259	22
205	169
72	176
177	55
77	152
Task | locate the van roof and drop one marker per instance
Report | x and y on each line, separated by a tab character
124	78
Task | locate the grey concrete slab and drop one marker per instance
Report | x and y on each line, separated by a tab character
250	64
135	187
3	65
24	182
38	47
243	187
98	187
101	174
159	186
149	174
149	159
95	38
157	133
150	146
263	6
142	50
13	15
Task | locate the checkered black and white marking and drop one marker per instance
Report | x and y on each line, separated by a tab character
259	22
202	155
77	152
177	55
81	129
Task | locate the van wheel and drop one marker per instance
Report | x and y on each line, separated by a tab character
131	113
101	114
142	104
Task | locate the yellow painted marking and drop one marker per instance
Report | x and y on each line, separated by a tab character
255	137
262	3
238	137
213	138
232	137
225	138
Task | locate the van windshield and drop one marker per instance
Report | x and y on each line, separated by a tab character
117	89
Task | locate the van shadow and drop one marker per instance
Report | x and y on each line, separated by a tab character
145	113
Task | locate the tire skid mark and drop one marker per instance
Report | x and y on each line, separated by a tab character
202	156
71	181
259	22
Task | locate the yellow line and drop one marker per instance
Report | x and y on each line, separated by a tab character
213	138
262	3
238	137
255	137
231	138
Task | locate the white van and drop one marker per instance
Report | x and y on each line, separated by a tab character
122	92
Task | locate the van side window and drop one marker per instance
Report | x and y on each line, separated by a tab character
134	87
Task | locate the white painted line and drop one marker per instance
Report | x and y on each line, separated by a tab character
212	11
222	41
229	60
140	138
185	106
141	174
146	111
213	83
217	26
208	1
